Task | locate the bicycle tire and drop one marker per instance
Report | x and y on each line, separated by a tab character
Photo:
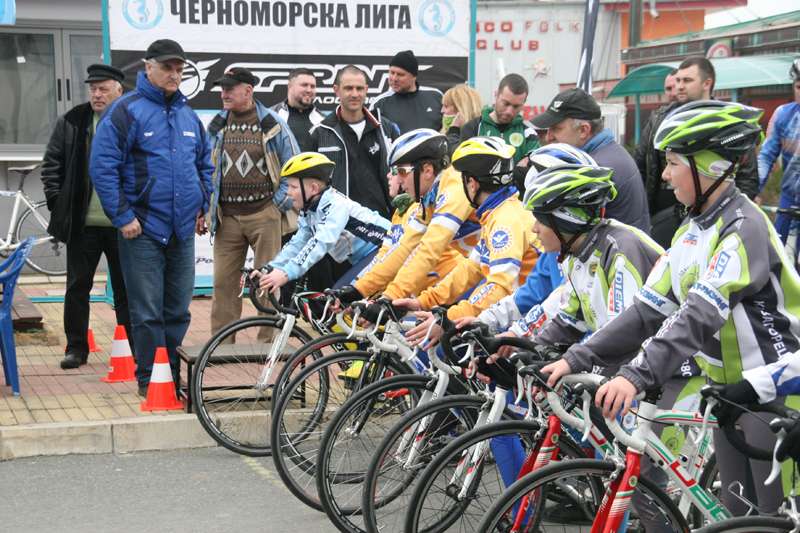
567	475
389	481
295	439
49	257
750	524
344	453
434	505
230	408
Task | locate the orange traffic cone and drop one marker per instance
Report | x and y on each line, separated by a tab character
161	393
122	366
92	345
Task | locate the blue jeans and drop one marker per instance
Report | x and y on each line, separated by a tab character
160	282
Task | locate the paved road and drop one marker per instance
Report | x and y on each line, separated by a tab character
205	490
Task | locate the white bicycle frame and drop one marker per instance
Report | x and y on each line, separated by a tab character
7	244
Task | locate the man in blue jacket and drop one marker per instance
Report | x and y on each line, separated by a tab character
152	170
250	208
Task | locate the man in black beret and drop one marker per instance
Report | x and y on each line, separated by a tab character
408	104
76	216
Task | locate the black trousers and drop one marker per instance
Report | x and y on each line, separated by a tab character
83	255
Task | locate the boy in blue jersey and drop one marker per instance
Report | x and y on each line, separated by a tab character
329	223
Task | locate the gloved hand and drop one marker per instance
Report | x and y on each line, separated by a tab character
790	447
741	392
550	353
502	372
370	314
349	294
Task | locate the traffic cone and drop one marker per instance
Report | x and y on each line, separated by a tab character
92	345
122	366
161	393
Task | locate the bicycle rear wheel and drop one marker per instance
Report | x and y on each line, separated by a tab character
569	486
306	407
437	504
48	257
231	404
750	524
351	439
407	450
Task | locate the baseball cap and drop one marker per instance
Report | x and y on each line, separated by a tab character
100	72
235	76
164	50
570	103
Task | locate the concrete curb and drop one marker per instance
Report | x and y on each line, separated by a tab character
107	436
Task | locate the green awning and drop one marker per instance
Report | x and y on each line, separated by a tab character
732	73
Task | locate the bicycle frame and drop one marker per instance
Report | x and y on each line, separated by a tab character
7	244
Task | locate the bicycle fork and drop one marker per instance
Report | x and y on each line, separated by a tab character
618	496
274	353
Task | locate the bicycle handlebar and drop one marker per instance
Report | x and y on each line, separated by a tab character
253	292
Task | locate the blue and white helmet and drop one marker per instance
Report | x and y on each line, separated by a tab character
418	144
552	155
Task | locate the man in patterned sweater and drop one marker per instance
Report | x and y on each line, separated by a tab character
249	145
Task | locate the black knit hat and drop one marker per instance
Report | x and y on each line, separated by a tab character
406	61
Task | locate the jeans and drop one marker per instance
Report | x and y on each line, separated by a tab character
83	254
160	282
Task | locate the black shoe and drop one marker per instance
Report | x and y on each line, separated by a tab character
73	361
143	390
566	512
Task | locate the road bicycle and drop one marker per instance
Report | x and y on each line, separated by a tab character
48	256
242	369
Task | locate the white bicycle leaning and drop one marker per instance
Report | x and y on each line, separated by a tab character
48	256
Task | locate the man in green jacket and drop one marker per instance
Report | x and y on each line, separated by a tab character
503	120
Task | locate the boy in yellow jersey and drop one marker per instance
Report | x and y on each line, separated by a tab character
437	235
505	253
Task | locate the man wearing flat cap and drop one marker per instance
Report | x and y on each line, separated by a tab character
76	216
152	170
574	117
250	207
408	104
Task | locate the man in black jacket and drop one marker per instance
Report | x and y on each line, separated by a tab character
695	81
76	216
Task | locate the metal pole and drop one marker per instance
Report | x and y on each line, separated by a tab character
106	34
473	8
638	124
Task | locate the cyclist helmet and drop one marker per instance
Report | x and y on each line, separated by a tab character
552	155
570	198
416	145
703	132
487	160
794	70
309	165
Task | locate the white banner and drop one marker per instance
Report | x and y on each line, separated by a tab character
349	27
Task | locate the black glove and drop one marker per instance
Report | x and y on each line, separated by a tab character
741	392
790	447
502	372
550	353
370	314
349	294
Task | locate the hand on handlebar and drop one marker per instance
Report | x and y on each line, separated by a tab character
273	281
506	351
557	370
418	333
407	304
617	393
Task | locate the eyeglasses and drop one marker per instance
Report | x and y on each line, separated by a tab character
402	171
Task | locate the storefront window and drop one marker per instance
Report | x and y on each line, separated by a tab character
84	51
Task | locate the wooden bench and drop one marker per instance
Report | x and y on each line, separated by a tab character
24	315
225	353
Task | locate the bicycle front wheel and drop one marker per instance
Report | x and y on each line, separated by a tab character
229	391
750	524
568	492
47	256
457	488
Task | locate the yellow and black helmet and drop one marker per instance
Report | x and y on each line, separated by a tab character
486	159
309	165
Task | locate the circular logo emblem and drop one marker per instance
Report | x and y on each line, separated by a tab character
442	199
555	438
501	240
143	14
192	80
633	481
437	17
688	280
515	139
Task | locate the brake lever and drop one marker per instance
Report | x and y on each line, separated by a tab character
356	316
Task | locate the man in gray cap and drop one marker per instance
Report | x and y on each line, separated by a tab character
76	216
152	170
408	104
573	117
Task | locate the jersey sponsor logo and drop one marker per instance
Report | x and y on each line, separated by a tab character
592	269
688	278
188	134
616	296
442	199
536	317
650	296
718	264
482	294
690	239
148	133
501	240
397	232
711	295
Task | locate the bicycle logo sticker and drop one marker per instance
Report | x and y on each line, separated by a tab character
437	17
143	14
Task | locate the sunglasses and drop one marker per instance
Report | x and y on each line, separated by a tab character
402	171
